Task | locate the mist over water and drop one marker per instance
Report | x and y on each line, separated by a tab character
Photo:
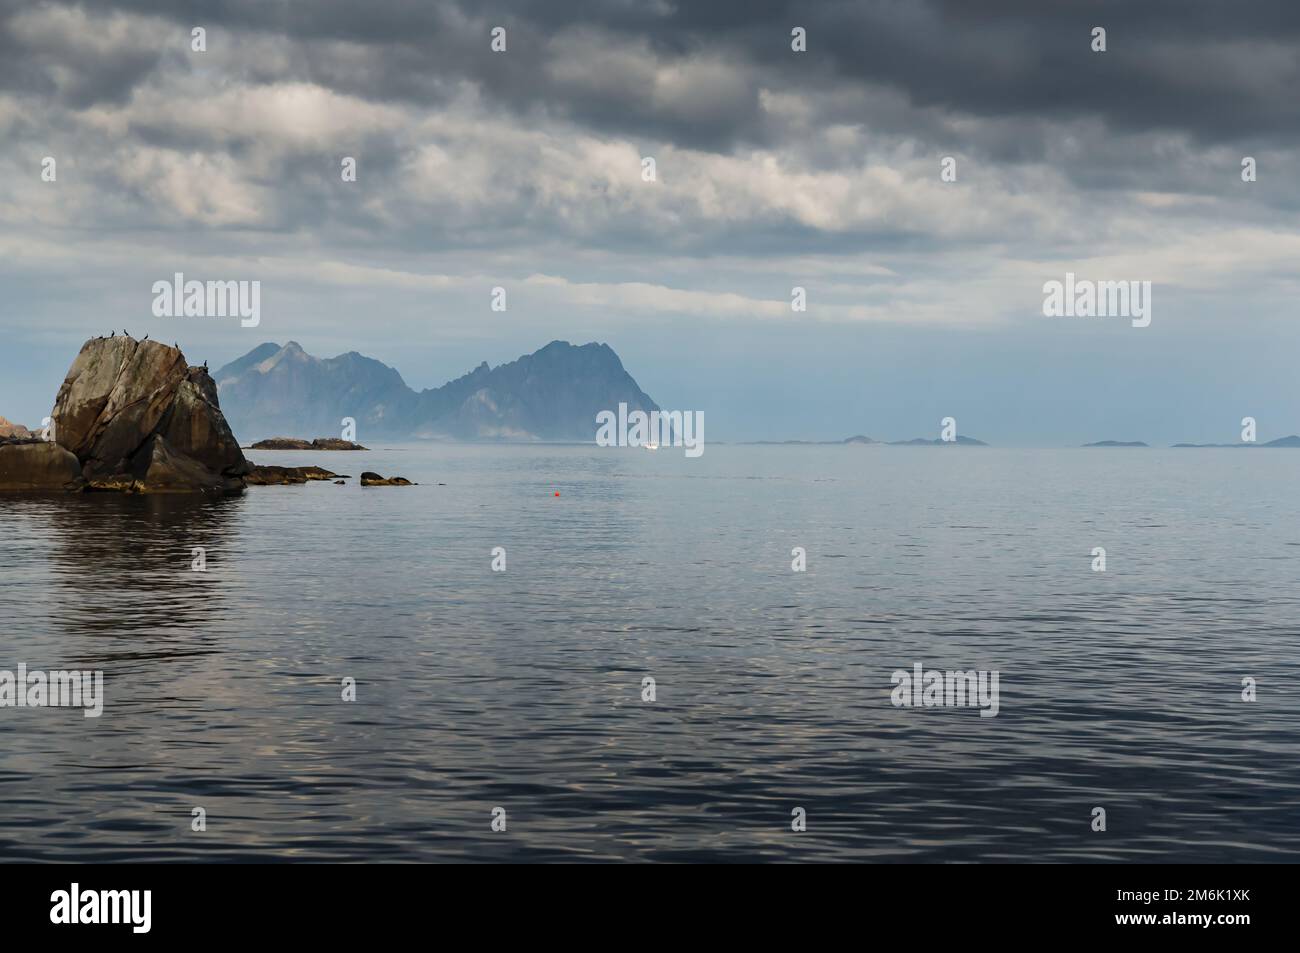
522	689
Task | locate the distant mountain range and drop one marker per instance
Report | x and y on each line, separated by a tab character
8	429
552	394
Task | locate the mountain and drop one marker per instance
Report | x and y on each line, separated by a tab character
1116	443
8	429
551	394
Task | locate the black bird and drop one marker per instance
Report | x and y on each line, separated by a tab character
125	334
143	339
113	335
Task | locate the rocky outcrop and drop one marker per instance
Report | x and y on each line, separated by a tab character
33	465
279	476
293	443
139	419
370	478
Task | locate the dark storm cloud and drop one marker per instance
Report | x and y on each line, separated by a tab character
764	151
1211	69
1216	71
67	61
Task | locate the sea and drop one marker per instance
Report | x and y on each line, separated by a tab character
575	653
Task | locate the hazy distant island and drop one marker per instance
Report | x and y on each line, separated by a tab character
960	441
804	443
1117	443
861	439
553	394
1291	441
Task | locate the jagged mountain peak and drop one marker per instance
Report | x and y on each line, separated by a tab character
553	393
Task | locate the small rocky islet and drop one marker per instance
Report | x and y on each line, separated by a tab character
293	443
134	417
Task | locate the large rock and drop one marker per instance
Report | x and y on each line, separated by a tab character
139	419
196	427
116	392
158	467
29	465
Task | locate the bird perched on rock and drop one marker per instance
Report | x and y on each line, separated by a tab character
113	335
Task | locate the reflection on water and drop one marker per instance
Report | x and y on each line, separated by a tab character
523	689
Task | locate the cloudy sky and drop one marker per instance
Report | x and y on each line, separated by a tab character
775	169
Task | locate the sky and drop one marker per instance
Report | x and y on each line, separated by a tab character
821	169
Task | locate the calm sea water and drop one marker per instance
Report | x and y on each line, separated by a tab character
522	689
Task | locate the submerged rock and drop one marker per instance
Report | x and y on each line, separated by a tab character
34	465
139	419
370	478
